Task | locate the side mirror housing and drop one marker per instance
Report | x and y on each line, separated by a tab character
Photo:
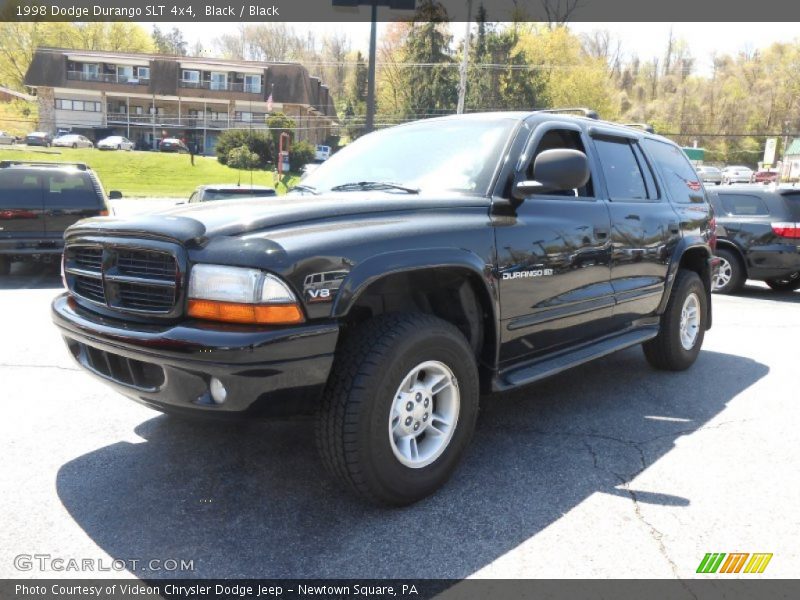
114	195
555	170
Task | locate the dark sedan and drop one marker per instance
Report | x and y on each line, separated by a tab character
758	237
173	145
39	138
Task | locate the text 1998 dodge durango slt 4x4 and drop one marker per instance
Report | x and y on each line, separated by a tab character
415	268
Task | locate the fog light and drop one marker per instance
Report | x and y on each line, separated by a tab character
218	391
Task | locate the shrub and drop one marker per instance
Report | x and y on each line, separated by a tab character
256	142
300	153
242	158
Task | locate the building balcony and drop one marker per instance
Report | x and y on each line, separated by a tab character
220	86
106	78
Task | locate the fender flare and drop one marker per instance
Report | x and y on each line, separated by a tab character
382	265
684	246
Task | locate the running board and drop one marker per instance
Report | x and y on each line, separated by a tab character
543	368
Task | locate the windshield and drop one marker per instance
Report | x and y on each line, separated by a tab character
442	154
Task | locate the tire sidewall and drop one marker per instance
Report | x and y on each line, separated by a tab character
395	478
691	283
734	283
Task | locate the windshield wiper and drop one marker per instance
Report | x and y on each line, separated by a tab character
305	188
374	185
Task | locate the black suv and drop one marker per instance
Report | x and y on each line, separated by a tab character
758	237
417	267
38	201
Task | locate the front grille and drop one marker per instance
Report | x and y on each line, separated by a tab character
145	297
124	277
143	263
90	288
119	369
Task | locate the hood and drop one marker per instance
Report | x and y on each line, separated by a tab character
235	217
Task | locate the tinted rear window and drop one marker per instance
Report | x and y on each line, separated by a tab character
19	189
743	205
69	190
792	201
229	194
679	176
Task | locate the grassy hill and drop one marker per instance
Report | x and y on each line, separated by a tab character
148	174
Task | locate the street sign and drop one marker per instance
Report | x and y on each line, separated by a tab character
769	151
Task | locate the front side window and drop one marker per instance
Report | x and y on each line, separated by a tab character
458	154
560	139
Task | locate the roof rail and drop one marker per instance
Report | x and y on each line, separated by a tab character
586	112
4	164
646	126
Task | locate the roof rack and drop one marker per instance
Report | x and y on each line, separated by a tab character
4	164
586	112
646	126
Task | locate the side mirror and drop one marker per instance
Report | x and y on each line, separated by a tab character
114	195
555	170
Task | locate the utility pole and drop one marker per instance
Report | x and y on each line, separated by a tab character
373	35
462	86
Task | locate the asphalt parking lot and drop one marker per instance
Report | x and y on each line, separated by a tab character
608	470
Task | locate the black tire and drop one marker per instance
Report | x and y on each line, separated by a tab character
74	146
352	429
789	283
730	260
5	266
119	147
665	351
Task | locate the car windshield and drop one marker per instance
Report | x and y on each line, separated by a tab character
229	194
444	154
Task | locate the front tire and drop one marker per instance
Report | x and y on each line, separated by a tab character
789	283
730	275
683	325
400	407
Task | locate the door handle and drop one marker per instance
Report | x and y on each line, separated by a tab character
601	233
674	227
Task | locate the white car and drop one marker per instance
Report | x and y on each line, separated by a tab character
736	175
6	138
115	142
73	140
322	153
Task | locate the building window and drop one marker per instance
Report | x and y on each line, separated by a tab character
247	117
91	71
82	105
252	84
219	81
124	73
190	77
143	72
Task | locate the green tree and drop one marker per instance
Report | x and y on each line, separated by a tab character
169	42
430	76
279	123
301	153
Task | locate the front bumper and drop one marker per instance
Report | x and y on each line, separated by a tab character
277	371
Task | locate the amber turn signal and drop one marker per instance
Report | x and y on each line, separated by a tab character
234	312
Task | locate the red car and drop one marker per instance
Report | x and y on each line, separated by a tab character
764	176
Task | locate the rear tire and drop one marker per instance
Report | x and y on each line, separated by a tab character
683	325
785	284
5	266
385	372
731	274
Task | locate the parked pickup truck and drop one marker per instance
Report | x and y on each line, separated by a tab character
416	268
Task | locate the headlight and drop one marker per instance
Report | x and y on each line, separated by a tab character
238	295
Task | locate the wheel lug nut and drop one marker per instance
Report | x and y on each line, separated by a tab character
427	401
410	406
416	425
408	421
425	417
418	397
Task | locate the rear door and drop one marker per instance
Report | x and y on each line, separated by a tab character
68	198
21	204
644	226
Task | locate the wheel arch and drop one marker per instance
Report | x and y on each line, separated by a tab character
453	284
693	257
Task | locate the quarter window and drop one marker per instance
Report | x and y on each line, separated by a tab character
679	176
743	205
